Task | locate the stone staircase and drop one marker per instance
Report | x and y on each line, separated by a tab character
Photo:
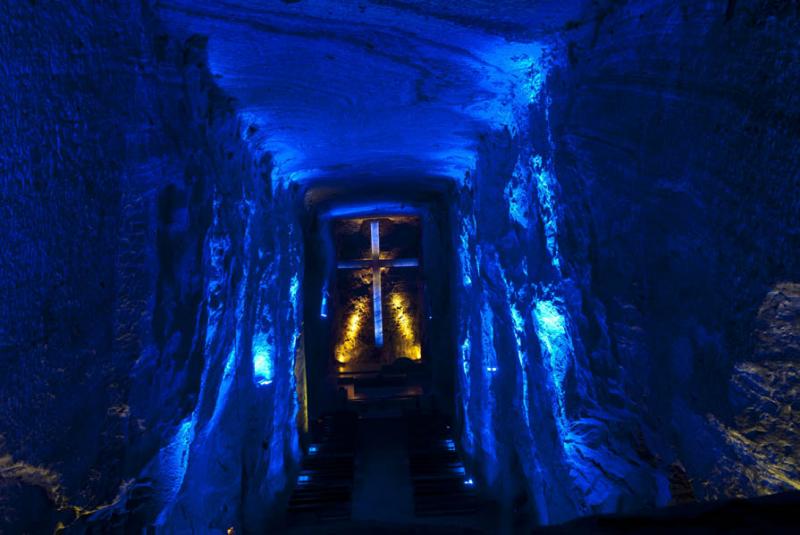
442	492
441	484
325	483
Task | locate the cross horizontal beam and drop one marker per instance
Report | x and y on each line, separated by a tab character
365	264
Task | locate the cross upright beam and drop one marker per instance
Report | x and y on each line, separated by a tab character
377	302
376	263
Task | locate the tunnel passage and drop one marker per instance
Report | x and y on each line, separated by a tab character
607	192
382	441
402	235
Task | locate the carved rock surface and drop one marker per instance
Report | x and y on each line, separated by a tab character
623	205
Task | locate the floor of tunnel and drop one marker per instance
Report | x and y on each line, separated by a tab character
393	470
382	489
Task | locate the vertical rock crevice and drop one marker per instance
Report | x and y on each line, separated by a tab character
637	249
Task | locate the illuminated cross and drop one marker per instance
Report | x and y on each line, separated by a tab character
376	263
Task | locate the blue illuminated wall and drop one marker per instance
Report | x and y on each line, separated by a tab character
679	225
151	265
596	261
538	420
230	459
623	199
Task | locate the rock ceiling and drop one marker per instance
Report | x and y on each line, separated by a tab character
370	88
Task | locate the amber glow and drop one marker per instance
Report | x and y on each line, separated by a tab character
348	343
405	325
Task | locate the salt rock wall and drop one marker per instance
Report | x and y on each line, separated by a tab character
676	135
627	250
148	356
544	423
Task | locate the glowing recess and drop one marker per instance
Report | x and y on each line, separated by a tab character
323	311
376	263
352	328
404	322
263	368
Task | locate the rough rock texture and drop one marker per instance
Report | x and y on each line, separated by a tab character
676	132
765	397
778	322
625	221
545	422
138	262
608	323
